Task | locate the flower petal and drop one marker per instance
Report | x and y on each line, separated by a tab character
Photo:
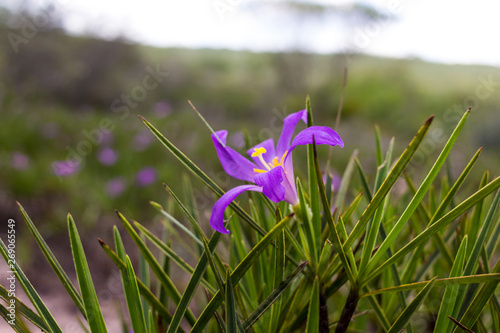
289	124
233	162
268	145
217	218
323	136
271	183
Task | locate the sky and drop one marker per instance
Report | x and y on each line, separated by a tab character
444	31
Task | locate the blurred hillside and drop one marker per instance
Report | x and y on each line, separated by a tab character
70	139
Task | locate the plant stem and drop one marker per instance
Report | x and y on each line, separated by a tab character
347	313
323	314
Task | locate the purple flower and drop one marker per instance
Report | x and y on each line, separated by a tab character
115	186
146	176
107	156
271	169
65	168
20	161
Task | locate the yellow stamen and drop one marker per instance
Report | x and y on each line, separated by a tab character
283	158
269	166
258	153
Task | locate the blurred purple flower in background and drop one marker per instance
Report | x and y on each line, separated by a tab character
142	140
115	186
65	168
146	176
162	109
107	156
19	161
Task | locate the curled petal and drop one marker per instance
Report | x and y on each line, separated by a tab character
234	163
217	218
322	134
271	184
289	124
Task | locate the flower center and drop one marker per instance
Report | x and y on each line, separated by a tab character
259	151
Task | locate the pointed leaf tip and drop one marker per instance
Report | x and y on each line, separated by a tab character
156	205
101	242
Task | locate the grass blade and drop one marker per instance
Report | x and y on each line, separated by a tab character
22	309
176	222
54	263
29	290
231	316
483	296
89	296
305	226
450	293
130	298
315	219
17	325
336	242
405	316
451	281
264	306
145	292
279	274
135	304
312	325
208	254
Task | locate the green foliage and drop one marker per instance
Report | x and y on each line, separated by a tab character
368	254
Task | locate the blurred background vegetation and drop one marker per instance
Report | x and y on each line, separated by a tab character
57	90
